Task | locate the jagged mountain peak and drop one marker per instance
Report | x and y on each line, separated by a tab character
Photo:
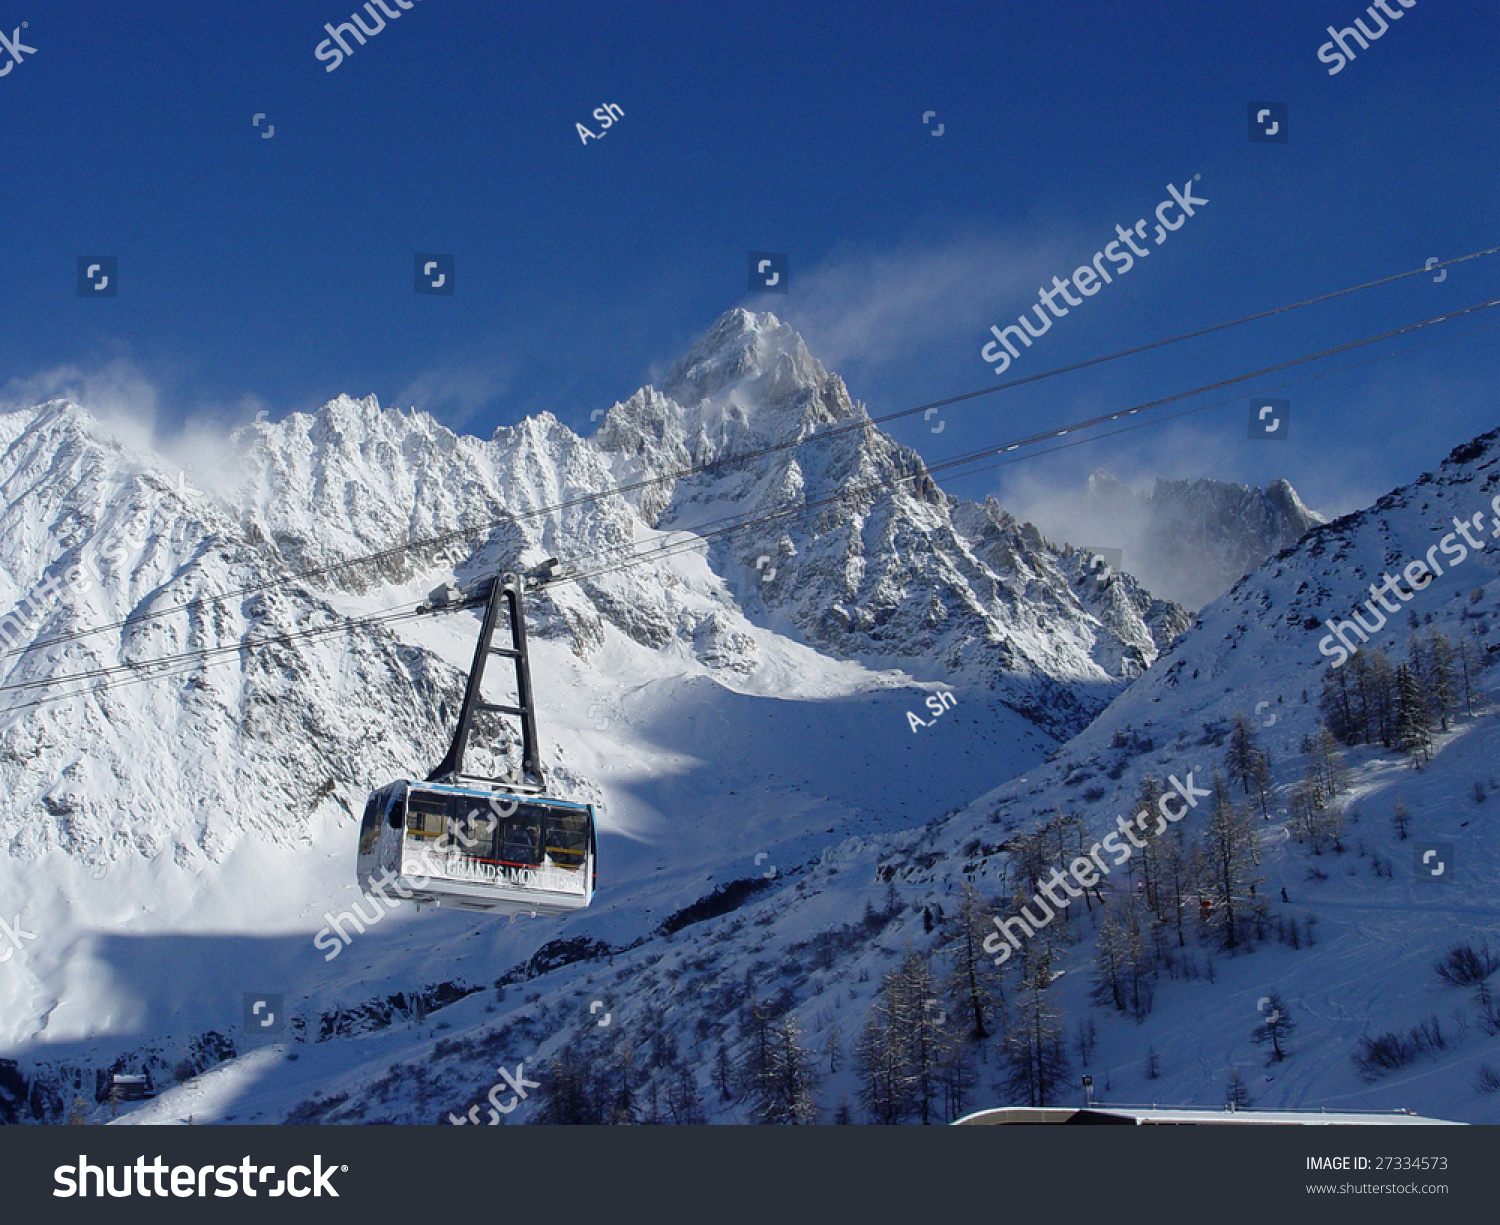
1103	483
752	377
1285	498
360	417
742	345
749	383
1187	540
60	424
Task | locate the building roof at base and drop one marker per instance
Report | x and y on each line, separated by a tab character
1167	1115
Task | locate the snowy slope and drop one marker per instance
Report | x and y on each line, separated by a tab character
809	937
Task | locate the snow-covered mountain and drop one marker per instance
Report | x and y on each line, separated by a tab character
1188	541
884	566
814	941
216	793
774	831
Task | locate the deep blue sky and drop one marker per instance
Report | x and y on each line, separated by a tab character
277	272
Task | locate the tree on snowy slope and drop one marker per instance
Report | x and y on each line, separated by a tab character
880	1061
1378	695
1316	816
1401	819
1036	1057
956	1076
1262	784
1148	863
1244	757
1471	661
1237	1094
1323	753
684	1107
755	1063
1124	966
1109	967
782	1092
573	1088
976	988
1337	702
623	1079
1230	855
927	1040
905	1052
724	1073
1413	724
1441	677
1246	763
1275	1027
1177	879
1359	700
1031	856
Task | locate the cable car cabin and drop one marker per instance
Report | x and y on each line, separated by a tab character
478	849
491	844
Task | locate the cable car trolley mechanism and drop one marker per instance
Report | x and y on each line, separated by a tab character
489	844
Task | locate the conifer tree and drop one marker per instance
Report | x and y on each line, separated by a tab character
956	1077
1304	805
833	1047
1036	1059
1401	819
1177	875
1470	661
1336	703
1124	969
724	1074
1151	855
1442	678
755	1064
924	1039
1413	732
1261	783
783	1091
1333	774
1275	1027
1380	692
881	1064
1238	1094
976	990
904	1045
684	1107
1109	964
1230	851
1243	753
